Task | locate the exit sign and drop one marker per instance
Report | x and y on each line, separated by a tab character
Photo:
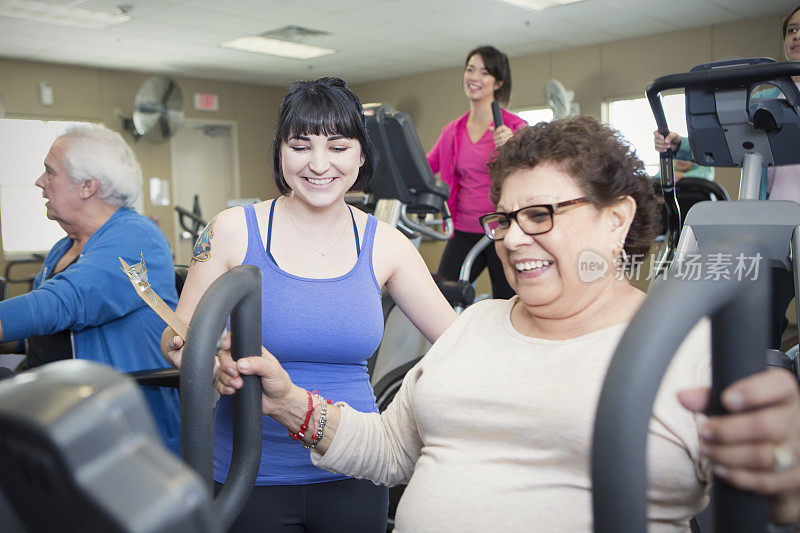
206	102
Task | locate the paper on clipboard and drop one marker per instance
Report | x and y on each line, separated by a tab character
137	274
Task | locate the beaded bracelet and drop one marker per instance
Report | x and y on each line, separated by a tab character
304	426
323	415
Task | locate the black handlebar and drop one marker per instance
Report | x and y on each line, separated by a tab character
34	258
497	115
739	315
238	293
158	377
197	222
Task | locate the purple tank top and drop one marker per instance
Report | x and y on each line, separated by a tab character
322	331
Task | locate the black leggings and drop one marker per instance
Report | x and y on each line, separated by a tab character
455	252
353	505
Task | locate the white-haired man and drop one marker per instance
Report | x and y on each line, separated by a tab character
82	305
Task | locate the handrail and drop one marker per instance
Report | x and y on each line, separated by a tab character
424	229
739	324
236	293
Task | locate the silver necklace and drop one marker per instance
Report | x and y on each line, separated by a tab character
311	244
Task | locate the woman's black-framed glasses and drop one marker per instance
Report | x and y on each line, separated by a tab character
533	219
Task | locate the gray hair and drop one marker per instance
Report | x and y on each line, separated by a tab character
96	152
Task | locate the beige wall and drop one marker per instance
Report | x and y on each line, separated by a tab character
596	73
98	95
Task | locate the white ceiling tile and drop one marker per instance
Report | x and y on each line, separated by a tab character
689	13
180	16
374	39
12	46
141	8
234	7
336	5
297	14
444	5
159	31
751	8
8	25
389	14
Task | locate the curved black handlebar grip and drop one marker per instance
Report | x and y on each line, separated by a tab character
238	293
739	314
497	115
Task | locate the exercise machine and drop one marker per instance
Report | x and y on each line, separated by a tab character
739	320
79	450
404	191
730	127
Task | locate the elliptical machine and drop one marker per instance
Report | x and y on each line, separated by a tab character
404	185
404	190
727	127
79	450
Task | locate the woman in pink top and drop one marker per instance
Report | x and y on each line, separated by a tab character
460	156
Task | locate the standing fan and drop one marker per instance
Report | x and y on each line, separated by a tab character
560	100
157	109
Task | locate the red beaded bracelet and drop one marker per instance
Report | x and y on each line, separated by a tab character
304	427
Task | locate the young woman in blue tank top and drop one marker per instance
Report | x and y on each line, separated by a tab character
323	265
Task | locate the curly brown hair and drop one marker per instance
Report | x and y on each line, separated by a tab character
603	164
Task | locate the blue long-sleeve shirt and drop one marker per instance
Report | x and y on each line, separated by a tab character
94	300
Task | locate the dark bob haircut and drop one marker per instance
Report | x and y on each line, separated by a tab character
496	63
602	163
787	19
324	106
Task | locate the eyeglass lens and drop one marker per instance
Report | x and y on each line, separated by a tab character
532	220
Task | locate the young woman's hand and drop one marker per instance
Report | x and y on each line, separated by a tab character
501	135
172	347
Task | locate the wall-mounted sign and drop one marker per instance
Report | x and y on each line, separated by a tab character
206	102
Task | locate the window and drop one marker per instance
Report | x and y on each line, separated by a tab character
633	118
23	147
536	115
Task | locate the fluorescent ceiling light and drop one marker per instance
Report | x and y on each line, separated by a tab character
277	47
538	5
63	15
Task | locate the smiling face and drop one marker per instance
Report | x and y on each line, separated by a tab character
544	269
62	194
320	169
791	39
479	85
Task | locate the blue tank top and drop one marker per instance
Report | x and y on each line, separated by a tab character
322	331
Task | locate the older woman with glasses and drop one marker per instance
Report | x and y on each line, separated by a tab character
492	429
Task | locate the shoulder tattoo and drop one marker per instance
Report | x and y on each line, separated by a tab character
202	249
